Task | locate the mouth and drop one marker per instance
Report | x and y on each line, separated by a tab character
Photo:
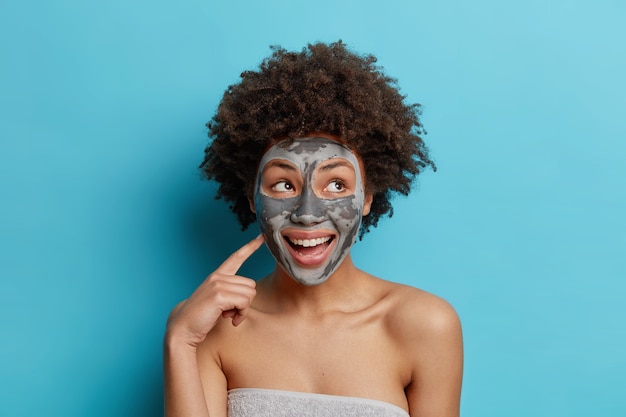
309	251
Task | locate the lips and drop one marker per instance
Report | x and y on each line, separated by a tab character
309	251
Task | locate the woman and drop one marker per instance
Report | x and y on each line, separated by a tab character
312	146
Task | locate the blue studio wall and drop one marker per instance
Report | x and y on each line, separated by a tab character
105	223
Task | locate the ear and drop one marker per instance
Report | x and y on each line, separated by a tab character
251	202
367	204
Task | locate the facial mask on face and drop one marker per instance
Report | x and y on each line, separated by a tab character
309	236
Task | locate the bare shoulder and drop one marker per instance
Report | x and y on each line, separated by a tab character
417	316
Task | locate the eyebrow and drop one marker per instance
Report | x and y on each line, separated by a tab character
336	164
280	164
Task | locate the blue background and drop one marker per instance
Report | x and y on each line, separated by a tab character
105	223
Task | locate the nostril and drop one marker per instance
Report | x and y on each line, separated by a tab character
305	218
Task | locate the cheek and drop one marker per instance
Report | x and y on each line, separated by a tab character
272	212
345	213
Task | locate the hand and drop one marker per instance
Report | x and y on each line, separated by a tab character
222	294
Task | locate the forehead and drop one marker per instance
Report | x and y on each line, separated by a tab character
308	152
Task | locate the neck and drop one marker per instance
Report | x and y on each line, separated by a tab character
339	293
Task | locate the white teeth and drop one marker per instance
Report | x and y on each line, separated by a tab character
309	242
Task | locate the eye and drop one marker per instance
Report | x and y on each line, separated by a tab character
283	187
336	186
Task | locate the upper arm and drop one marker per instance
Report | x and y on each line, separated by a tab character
214	382
436	355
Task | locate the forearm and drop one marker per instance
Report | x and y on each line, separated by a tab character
184	396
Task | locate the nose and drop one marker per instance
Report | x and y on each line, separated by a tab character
310	210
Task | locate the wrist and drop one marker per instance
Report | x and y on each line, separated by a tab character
176	342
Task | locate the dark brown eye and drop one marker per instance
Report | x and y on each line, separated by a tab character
283	187
336	186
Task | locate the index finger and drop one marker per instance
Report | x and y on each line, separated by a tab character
231	265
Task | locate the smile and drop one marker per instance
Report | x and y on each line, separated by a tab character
309	251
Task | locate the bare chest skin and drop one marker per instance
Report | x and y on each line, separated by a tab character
350	352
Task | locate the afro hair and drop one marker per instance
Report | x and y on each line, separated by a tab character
324	88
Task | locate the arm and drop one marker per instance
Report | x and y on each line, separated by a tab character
222	295
183	389
437	358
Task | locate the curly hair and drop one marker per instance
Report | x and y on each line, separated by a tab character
324	88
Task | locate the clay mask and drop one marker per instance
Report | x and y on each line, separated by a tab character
309	203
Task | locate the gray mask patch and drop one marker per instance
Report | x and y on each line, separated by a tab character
310	231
